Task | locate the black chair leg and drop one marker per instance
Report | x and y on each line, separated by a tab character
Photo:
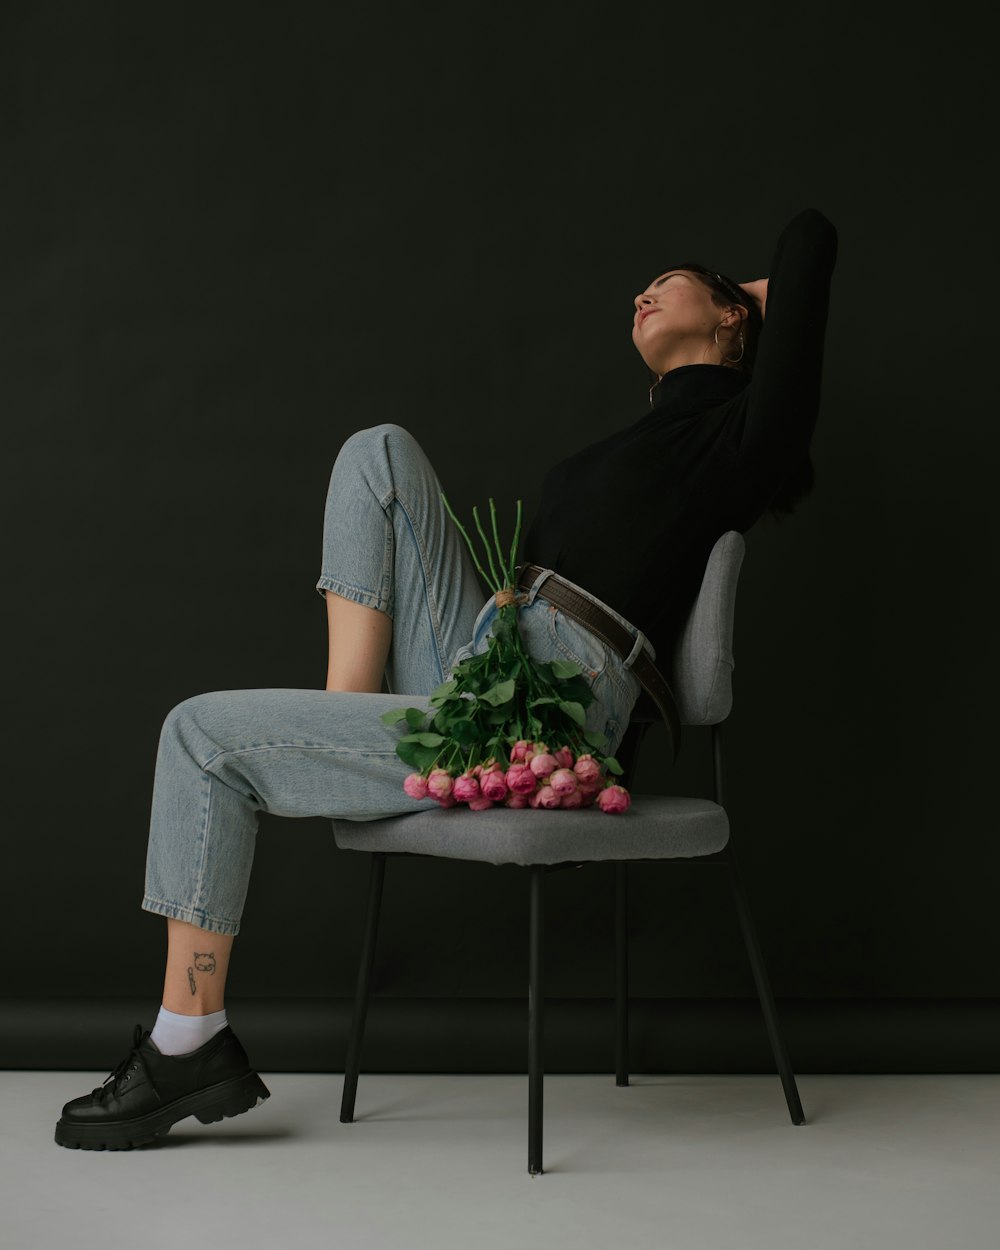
764	993
353	1061
621	973
536	1005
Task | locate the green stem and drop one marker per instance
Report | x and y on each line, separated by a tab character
468	543
517	535
507	575
486	544
526	666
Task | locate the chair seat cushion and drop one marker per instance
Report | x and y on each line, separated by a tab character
654	827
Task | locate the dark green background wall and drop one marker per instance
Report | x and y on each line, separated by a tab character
234	234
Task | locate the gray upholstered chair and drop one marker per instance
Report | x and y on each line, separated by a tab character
655	829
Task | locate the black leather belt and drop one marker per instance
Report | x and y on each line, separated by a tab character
615	635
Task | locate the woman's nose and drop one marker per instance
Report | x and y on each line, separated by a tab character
642	301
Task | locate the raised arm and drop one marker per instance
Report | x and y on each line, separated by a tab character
784	392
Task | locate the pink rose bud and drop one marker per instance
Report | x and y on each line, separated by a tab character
572	800
493	785
547	797
477	771
449	800
587	769
563	781
514	799
416	786
533	798
439	784
466	788
542	765
519	750
590	791
521	779
564	757
614	799
480	804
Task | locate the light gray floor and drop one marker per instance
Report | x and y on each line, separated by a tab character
671	1163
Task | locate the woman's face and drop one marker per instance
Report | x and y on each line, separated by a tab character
675	321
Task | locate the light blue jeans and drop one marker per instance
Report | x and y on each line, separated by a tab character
225	756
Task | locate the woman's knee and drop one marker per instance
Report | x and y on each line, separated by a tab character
194	707
198	722
380	457
370	455
363	441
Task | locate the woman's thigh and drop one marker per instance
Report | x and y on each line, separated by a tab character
295	752
389	544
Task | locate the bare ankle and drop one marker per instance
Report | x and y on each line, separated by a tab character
197	967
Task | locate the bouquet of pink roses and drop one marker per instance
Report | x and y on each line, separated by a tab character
508	730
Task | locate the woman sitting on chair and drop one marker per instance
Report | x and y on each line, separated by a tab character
625	526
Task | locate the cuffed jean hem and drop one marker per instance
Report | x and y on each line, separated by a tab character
366	598
192	915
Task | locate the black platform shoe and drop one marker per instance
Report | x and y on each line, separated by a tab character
148	1093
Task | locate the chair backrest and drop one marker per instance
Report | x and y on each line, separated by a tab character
702	664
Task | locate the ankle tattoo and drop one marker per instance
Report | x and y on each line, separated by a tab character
204	961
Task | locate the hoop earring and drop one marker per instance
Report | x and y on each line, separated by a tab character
725	361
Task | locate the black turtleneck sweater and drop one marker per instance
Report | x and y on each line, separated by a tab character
634	517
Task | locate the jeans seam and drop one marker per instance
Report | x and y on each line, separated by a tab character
298	746
199	889
388	588
431	605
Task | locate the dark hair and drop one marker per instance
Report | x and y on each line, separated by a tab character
725	292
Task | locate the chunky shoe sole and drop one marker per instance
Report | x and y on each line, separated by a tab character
214	1103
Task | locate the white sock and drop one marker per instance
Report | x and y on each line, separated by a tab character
174	1034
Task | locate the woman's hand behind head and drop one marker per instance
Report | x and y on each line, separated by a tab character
757	292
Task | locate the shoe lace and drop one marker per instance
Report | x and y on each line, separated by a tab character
119	1075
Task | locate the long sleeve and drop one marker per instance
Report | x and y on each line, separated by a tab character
784	392
633	518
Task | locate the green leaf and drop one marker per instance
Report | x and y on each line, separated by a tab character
578	690
507	663
449	690
414	717
574	711
502	693
465	733
501	630
612	765
415	755
543	699
390	718
565	668
425	740
593	739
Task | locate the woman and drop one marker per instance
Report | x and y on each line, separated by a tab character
628	523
